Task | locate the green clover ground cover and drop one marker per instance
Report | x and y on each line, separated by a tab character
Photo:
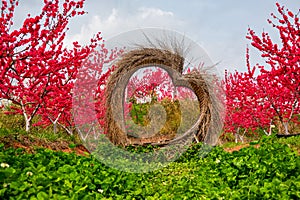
270	172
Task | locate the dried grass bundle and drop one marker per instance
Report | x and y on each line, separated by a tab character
171	60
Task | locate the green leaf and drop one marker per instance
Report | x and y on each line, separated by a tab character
80	189
2	192
42	195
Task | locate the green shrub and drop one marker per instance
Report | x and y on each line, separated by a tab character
12	122
140	115
269	172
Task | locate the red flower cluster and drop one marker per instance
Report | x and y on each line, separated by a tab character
37	72
255	101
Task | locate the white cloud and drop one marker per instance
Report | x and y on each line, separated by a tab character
153	12
117	22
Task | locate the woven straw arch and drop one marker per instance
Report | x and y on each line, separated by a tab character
173	63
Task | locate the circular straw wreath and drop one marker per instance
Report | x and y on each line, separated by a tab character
173	63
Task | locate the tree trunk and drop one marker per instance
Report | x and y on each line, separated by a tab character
286	127
27	125
69	130
54	127
27	121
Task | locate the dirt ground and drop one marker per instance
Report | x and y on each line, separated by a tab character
29	144
237	148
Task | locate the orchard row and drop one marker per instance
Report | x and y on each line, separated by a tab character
38	73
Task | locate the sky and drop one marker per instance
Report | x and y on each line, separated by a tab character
218	26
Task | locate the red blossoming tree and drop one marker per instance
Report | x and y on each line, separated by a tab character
274	93
36	70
